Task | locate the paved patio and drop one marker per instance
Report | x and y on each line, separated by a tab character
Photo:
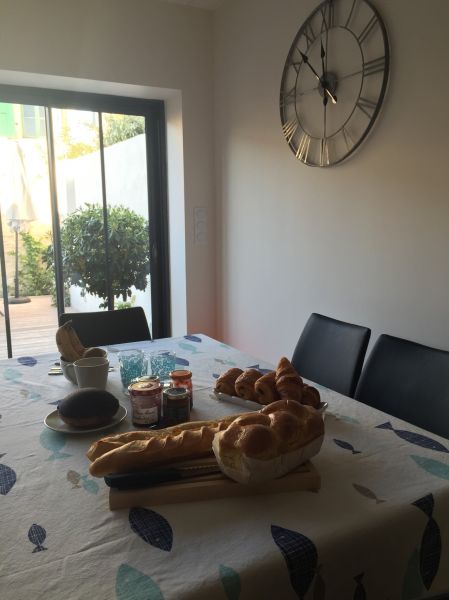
33	327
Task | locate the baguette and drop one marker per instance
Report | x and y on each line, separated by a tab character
138	450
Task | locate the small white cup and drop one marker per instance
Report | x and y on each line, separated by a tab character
92	372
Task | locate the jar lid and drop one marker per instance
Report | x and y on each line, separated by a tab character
176	392
180	374
146	378
144	388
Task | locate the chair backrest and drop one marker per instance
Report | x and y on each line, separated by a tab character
108	327
331	353
409	381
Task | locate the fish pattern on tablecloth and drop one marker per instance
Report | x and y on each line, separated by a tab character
432	466
152	527
345	418
346	446
230	580
74	478
359	592
430	549
189	348
300	555
12	375
193	338
54	442
131	584
182	361
259	368
319	586
8	478
27	361
412	584
415	438
364	491
37	535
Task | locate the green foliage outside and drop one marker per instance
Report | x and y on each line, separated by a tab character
34	277
83	251
116	128
122	127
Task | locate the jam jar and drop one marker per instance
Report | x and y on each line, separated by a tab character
175	406
146	400
182	378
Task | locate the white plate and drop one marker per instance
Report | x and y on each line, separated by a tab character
53	421
249	405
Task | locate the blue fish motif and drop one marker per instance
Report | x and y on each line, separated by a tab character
346	419
430	550
12	375
8	478
182	361
89	485
37	535
27	361
319	587
432	466
359	592
412	586
300	555
346	446
131	584
193	338
215	375
415	438
152	527
259	368
189	348
35	396
55	403
54	442
231	582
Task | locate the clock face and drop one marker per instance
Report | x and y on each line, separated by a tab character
334	81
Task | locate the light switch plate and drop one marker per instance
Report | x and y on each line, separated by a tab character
200	225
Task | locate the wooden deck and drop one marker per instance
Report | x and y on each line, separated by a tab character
33	327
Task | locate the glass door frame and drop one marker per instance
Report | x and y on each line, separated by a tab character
156	150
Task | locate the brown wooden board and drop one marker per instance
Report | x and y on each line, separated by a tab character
211	487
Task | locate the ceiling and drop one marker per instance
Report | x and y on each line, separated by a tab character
207	4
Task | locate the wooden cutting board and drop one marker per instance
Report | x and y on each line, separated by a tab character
211	487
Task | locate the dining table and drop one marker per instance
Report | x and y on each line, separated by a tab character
376	529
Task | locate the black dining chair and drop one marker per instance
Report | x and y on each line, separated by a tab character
107	327
409	381
331	353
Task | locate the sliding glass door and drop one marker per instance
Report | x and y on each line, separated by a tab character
85	211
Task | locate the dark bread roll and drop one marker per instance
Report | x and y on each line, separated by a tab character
88	407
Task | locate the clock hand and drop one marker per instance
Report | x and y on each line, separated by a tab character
323	54
325	90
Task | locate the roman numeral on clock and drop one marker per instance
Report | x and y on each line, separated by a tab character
289	128
303	147
366	106
368	29
288	97
376	65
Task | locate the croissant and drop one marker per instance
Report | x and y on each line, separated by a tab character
244	384
290	386
265	389
310	396
285	367
226	382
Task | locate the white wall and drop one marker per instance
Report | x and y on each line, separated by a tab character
132	46
367	241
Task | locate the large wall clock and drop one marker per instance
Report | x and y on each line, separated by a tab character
334	81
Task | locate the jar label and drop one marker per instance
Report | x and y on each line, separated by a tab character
146	416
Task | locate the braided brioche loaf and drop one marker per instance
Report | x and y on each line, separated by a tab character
269	443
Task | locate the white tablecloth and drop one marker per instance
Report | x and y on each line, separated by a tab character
377	529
